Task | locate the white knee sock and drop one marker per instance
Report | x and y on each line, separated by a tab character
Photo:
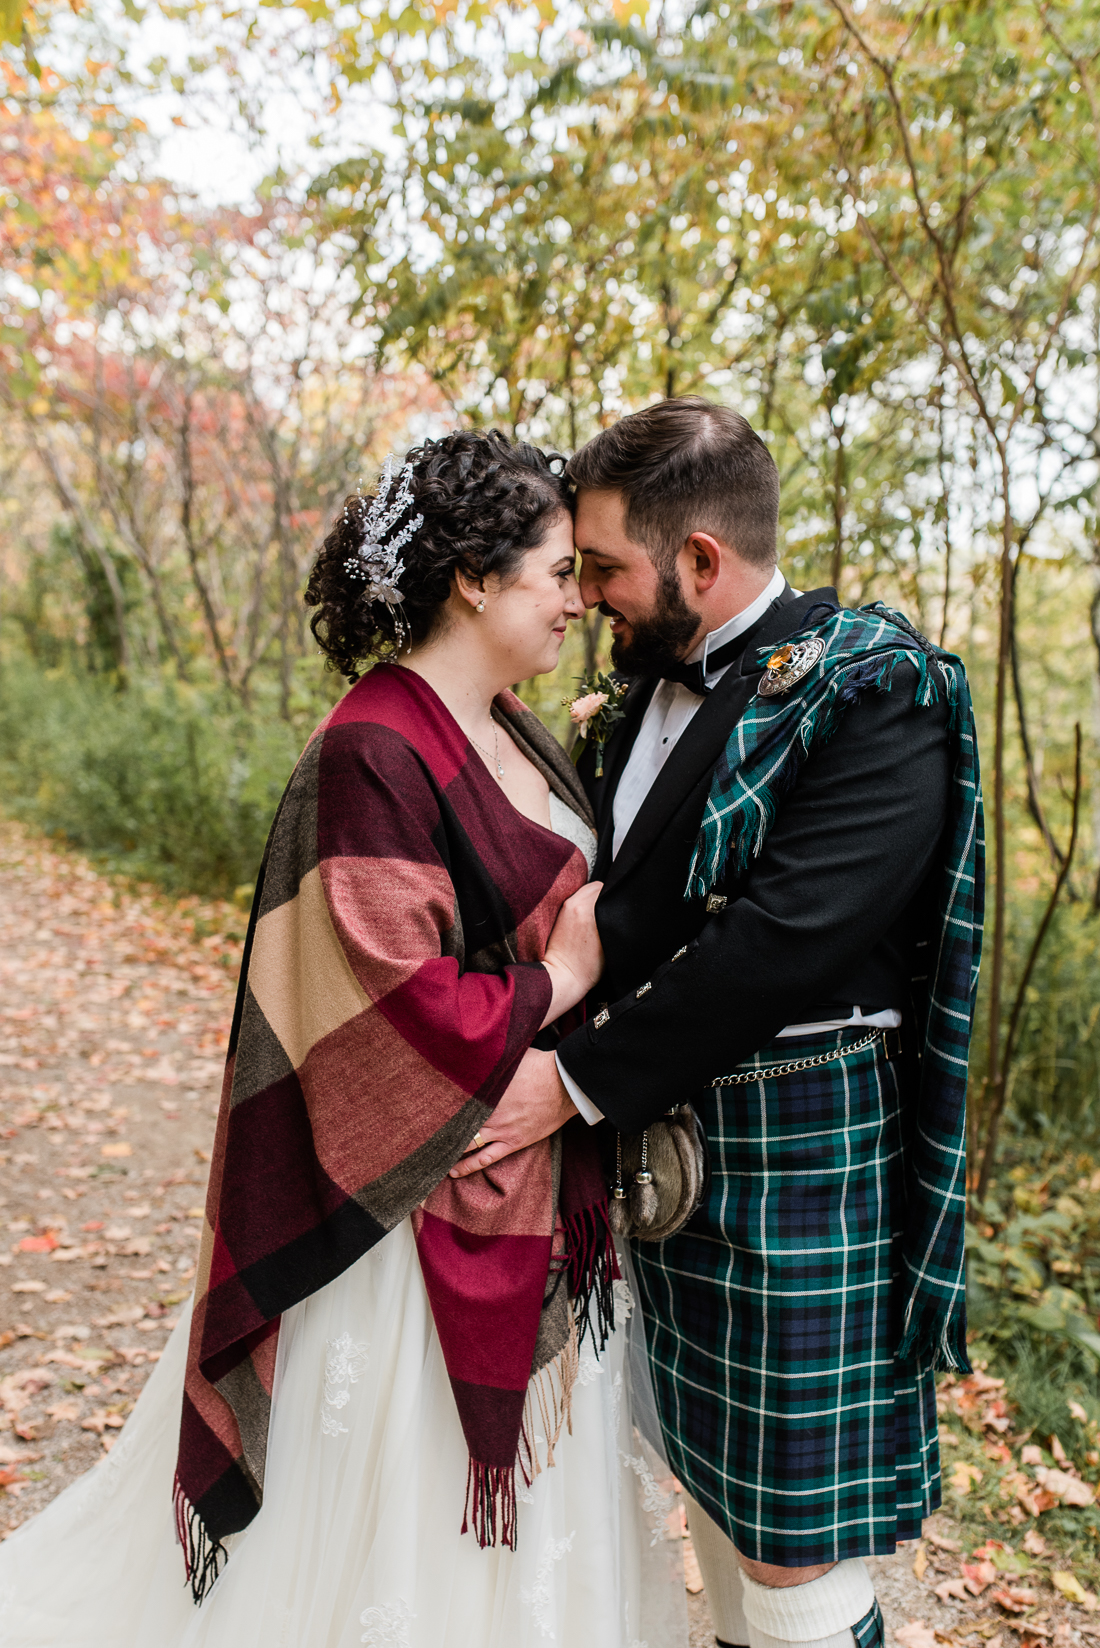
818	1615
721	1573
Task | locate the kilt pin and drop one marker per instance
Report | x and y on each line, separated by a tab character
772	1317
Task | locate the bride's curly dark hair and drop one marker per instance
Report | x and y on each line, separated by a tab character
484	503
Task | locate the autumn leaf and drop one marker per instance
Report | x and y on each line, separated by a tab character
963	1476
1013	1601
1070	1490
978	1575
915	1635
1071	1588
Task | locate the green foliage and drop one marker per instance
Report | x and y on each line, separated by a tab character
170	783
1034	1264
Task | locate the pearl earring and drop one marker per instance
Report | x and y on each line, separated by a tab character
480	607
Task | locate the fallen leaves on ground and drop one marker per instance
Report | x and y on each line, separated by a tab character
114	1011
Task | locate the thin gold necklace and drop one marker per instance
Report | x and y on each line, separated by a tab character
495	757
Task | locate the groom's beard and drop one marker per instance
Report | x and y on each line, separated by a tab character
660	639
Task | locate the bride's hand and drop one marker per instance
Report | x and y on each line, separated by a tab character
574	954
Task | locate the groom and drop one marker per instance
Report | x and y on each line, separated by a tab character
790	850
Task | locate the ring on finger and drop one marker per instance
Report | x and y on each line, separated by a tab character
477	1143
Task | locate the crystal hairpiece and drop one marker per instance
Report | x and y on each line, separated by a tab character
376	561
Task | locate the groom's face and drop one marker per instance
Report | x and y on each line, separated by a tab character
652	621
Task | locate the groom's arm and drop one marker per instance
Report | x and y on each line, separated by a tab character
850	848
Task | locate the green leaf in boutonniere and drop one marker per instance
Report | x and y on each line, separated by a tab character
595	709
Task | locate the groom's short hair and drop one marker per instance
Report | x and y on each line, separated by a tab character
686	465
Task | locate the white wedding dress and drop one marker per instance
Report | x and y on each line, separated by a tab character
358	1538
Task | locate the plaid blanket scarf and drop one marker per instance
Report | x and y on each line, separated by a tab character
390	986
761	761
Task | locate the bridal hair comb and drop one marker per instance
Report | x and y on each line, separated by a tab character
376	561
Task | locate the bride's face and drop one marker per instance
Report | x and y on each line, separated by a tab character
525	620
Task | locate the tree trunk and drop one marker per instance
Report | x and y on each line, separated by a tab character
187	498
994	1082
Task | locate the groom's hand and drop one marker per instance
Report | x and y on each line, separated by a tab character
535	1104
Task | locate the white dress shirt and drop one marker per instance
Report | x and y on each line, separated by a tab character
668	713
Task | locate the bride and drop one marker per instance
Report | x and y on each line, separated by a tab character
400	1411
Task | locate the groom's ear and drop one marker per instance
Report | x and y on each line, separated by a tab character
703	555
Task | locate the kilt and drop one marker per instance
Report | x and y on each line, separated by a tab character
772	1317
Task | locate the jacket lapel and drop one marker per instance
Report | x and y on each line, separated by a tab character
703	739
601	791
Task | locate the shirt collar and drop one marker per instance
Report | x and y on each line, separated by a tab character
739	623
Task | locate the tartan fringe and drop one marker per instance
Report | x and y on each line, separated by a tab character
204	1556
491	1500
593	1272
935	1337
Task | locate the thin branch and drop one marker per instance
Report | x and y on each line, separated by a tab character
1000	1092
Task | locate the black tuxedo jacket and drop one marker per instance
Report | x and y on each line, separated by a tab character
833	914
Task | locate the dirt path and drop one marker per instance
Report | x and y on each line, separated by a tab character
114	1011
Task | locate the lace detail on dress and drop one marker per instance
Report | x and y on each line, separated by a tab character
387	1627
624	1309
616	1403
590	1367
656	1504
540	1600
345	1364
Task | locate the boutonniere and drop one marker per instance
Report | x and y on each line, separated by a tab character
595	709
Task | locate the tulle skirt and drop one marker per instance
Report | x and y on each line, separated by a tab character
358	1540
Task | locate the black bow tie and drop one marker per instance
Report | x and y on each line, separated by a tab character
691	675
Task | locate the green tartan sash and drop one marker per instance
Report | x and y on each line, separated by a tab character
760	763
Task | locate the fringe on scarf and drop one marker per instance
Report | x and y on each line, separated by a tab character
550	1392
593	1271
204	1555
735	833
491	1504
935	1336
547	1411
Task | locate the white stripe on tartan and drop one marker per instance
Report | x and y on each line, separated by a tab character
844	1280
728	1361
858	1364
763	1362
880	1190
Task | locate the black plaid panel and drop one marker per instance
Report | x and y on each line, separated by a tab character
773	1316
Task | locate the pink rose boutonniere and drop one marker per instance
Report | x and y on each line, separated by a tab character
595	709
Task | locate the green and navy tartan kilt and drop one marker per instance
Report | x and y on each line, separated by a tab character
773	1315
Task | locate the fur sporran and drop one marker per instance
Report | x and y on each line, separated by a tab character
660	1176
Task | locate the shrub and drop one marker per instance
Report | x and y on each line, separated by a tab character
172	783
